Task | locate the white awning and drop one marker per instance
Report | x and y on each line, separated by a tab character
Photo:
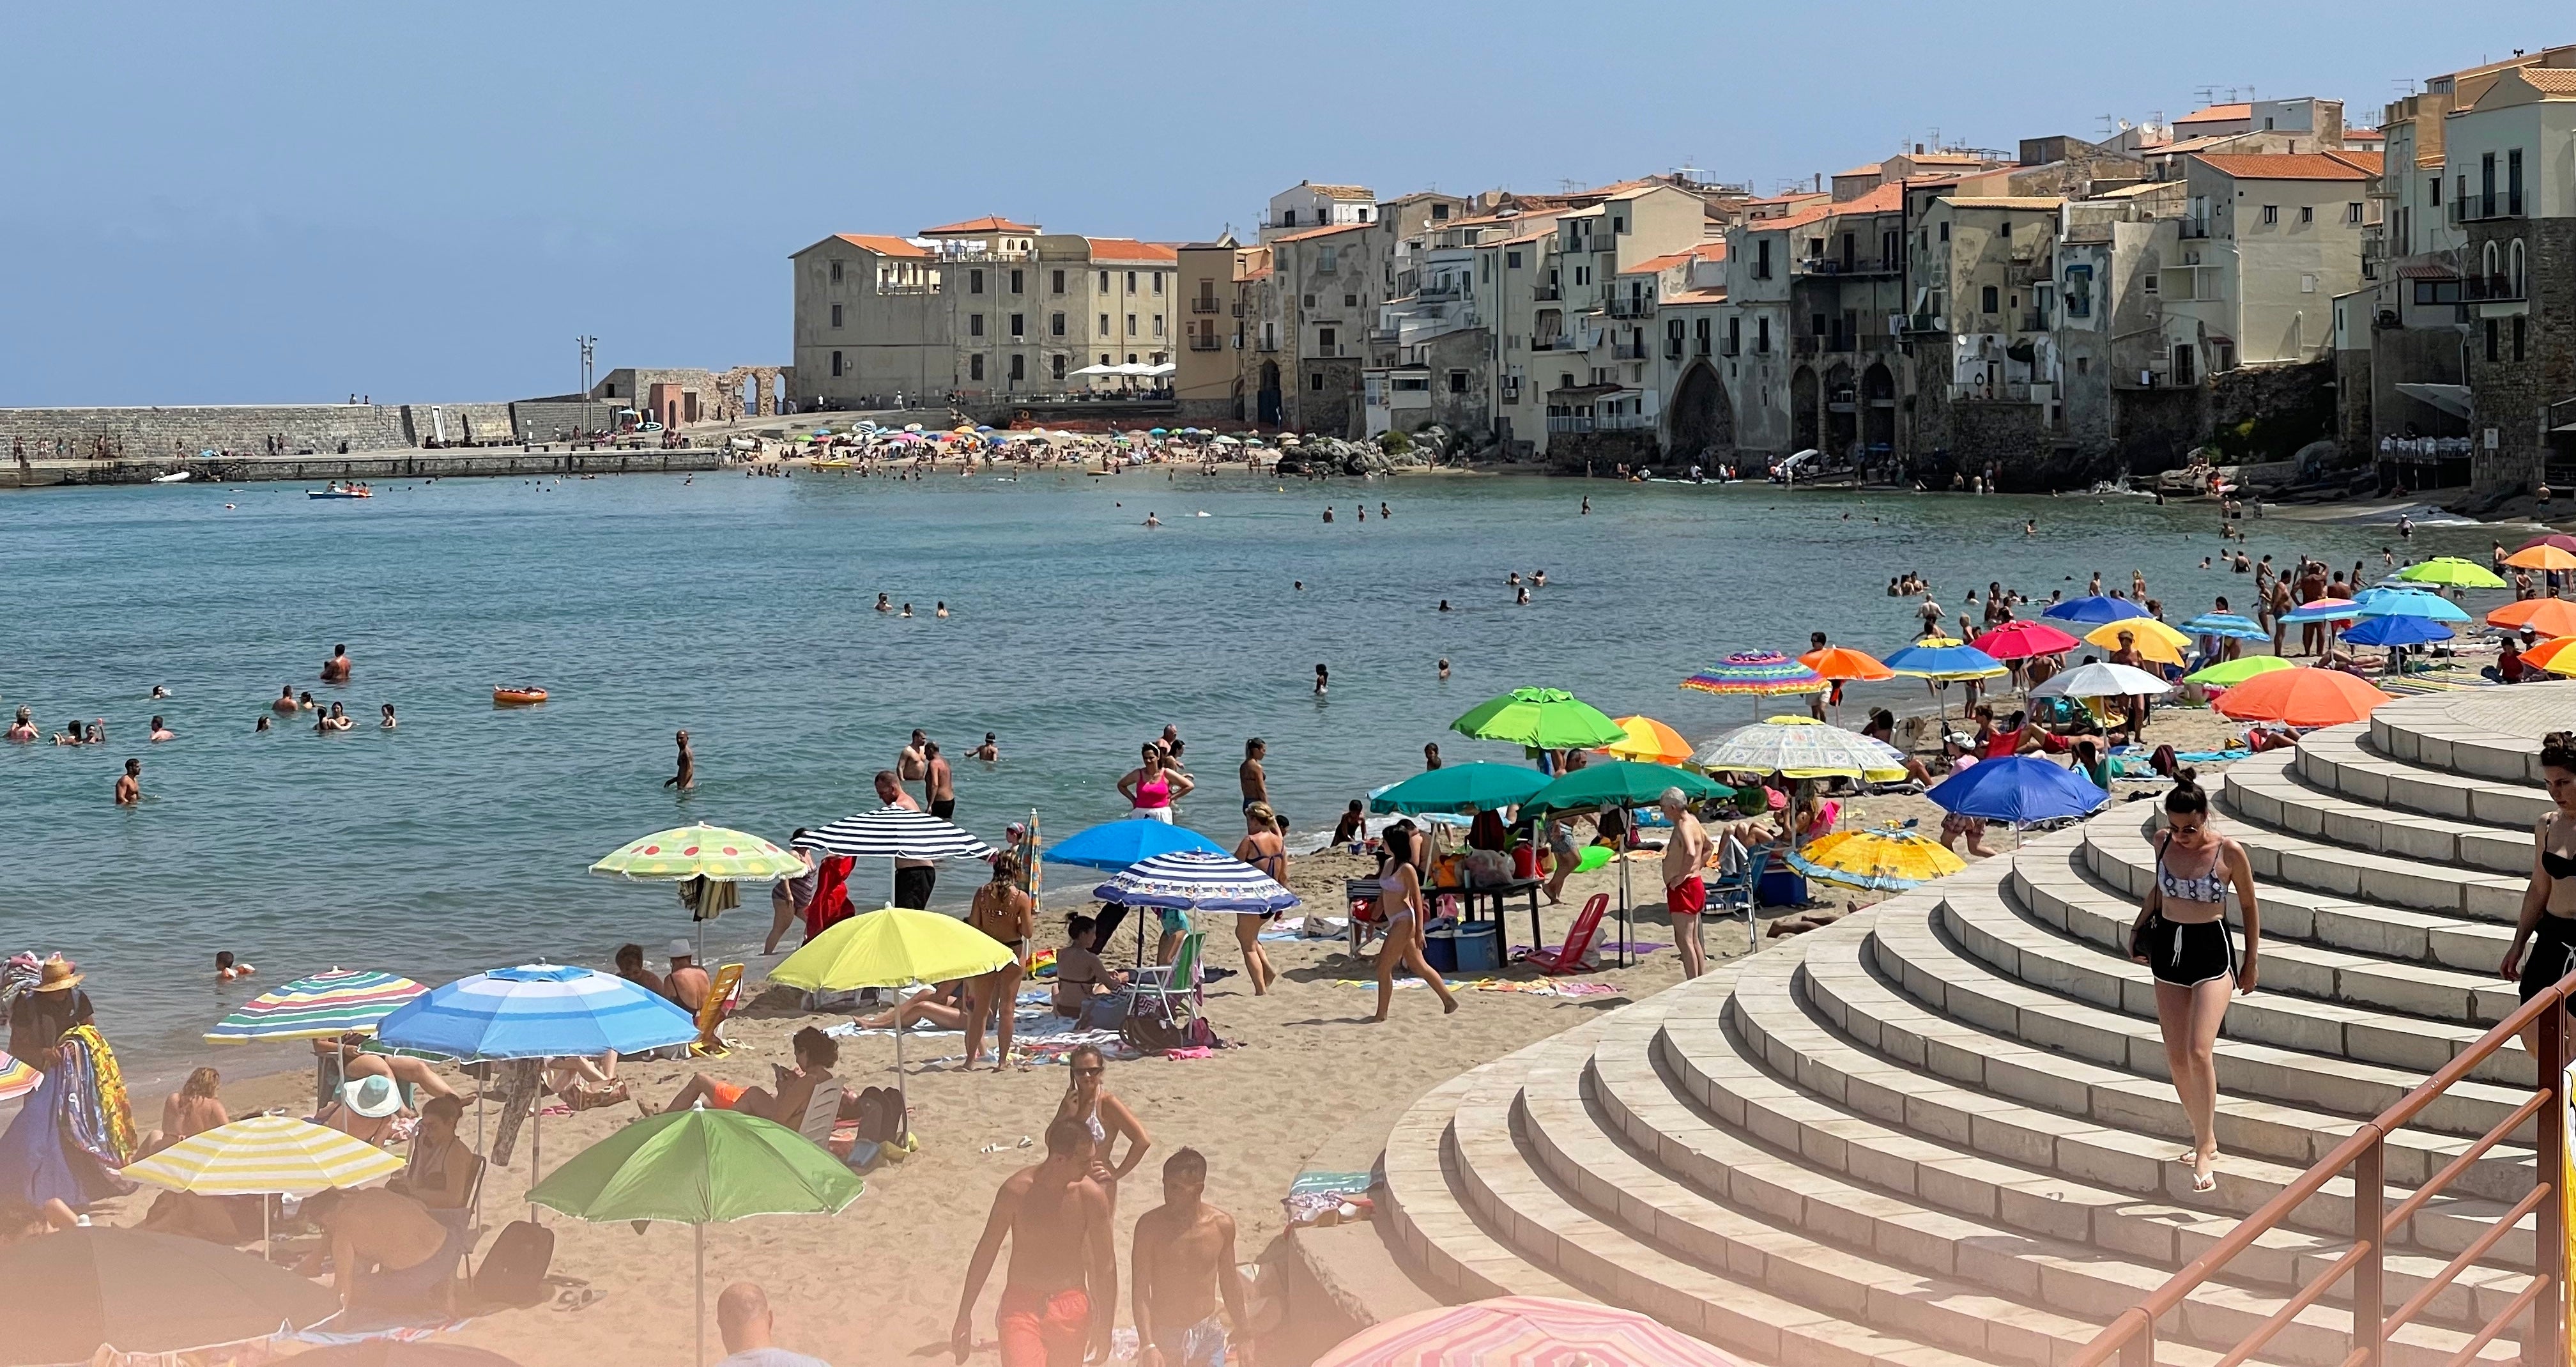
1099	370
2450	398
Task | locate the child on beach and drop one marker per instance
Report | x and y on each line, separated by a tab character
228	968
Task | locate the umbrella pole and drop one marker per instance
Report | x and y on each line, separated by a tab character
699	1232
902	1098
537	1142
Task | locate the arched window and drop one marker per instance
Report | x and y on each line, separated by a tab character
2488	264
2516	277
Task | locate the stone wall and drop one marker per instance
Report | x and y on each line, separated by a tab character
168	433
2267	412
2155	430
2013	437
459	424
2352	405
2510	394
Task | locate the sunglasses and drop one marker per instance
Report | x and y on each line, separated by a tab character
1094	1071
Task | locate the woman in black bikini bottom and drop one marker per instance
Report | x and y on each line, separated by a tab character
2181	935
2547	926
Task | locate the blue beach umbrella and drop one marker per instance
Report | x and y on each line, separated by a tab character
2386	601
1941	657
2094	608
2396	631
2020	789
537	1011
2227	624
1114	845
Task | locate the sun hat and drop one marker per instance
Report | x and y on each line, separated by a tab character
58	974
680	949
374	1097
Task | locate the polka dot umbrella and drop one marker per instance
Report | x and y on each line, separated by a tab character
712	853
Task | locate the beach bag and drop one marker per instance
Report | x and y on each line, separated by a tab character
514	1272
1445	871
1151	1032
1486	868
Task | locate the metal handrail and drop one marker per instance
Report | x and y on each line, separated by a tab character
2132	1333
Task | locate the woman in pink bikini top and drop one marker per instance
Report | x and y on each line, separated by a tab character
1153	786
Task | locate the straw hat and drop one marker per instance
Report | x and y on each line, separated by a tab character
59	975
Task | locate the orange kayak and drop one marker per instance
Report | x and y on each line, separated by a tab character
517	697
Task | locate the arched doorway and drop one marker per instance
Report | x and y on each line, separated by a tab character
1269	396
1802	410
1877	412
1236	412
1703	421
1842	411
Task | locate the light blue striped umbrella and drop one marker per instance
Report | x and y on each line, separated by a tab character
1944	657
537	1011
2324	610
2227	624
1192	880
2387	601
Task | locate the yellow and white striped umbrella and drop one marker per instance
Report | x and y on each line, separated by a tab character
262	1154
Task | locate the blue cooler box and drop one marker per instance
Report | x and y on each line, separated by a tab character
1470	947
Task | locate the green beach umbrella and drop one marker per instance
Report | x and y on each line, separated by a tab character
2451	571
1541	718
699	1167
1626	783
1461	788
2229	673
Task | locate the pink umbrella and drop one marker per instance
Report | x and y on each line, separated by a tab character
1524	1331
2022	640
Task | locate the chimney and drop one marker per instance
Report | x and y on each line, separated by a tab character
1918	149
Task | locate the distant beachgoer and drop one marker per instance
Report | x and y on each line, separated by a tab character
1353	824
747	1326
1587	504
1006	912
338	668
23	730
158	692
161	732
1183	1263
885	602
263	724
1539	579
1251	775
1152	787
2192	957
129	789
1521	594
1400	908
687	775
630	966
907	611
1430	756
1328	513
1323	680
228	967
938	781
1444	605
285	700
989	751
686	984
1089	1102
191	1110
1444	667
364	1109
790	1088
1263	848
337	719
387	722
1063	1251
387	1252
304	702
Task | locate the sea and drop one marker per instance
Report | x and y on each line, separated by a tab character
743	610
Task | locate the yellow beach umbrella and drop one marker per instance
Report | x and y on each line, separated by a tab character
1889	859
264	1155
2154	639
1649	741
892	947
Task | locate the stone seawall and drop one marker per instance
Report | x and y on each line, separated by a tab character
401	463
167	433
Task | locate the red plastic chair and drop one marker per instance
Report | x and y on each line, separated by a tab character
1578	941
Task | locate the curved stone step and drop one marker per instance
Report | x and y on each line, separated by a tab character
2489	733
2343	760
1444	1243
2267	788
2279	856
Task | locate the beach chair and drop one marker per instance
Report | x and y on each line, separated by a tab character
1180	978
1568	957
822	1111
1745	884
724	995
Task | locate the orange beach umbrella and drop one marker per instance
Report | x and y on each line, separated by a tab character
2541	557
1842	664
2548	616
2301	697
2557	655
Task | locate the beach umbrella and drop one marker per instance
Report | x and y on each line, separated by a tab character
1943	659
2093	608
1460	788
2323	610
1117	844
893	947
1649	740
16	1079
2540	555
700	851
2153	639
2400	630
2102	679
2229	673
895	833
2557	655
337	1002
75	1292
2020	789
263	1155
2548	616
1757	674
700	1167
2387	601
1523	1331
2302	697
1842	664
390	1352
2561	540
537	1010
1194	880
1624	783
2022	640
1802	747
2450	571
1885	860
2227	625
1540	719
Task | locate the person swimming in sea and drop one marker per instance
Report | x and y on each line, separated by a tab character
1323	680
24	728
1444	666
1444	605
285	700
387	723
74	736
161	733
1151	520
885	602
228	968
263	725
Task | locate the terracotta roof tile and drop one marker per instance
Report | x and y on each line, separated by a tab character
1323	232
2217	113
2007	201
1125	249
2548	80
1343	191
2291	165
989	223
883	245
1714	294
1705	251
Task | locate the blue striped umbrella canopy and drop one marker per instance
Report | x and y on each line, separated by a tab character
2404	630
1757	673
339	1002
2388	601
1114	845
1945	657
537	1011
2227	624
2093	608
1190	880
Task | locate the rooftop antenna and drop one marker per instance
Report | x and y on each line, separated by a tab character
2110	125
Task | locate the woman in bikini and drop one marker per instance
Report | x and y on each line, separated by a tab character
1008	914
1399	906
191	1110
1090	1101
1263	849
2183	930
2547	926
1153	786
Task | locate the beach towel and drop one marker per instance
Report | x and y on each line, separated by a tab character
831	903
707	899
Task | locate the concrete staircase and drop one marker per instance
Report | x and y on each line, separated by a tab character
1939	1133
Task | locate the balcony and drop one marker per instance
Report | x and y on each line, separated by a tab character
1331	351
1852	266
1267	344
1631	306
1549	344
1207	344
1627	351
1204	304
1733	347
2032	320
1926	323
2194	227
1672	348
2488	289
1546	294
1324	265
2482	208
1806	345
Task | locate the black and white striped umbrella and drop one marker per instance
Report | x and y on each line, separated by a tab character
1194	880
896	833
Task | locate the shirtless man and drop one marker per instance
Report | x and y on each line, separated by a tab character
161	732
387	1251
938	781
441	1172
990	751
1685	896
913	878
336	669
789	1090
1061	1294
129	788
1256	780
23	730
913	765
687	776
686	983
1183	1261
285	703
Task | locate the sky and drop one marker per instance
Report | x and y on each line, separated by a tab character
293	202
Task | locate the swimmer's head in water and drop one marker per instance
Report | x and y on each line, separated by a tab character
223	959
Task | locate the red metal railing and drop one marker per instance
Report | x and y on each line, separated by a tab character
2132	1334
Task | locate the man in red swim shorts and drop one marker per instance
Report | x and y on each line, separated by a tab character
1685	895
1061	1294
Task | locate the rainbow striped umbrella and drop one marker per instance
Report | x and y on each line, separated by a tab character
339	1002
1757	673
16	1079
1524	1331
262	1154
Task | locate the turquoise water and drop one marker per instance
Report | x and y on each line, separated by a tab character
740	609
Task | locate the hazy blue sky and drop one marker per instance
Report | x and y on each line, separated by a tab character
294	201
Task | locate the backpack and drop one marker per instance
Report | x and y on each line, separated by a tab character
514	1272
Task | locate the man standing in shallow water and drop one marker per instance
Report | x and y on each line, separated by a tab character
129	788
687	777
1060	1296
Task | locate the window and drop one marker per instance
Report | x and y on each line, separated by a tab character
1104	358
836	363
2513	182
836	315
975	366
1288	218
2491	340
2151	283
1328	258
2434	184
1945	230
836	271
1158	282
1439	212
1019	325
1056	364
2005	232
1512	260
1734	335
1761	336
2307	284
1131	282
1019	366
1324	338
1762	259
1458	380
1055	282
1158	325
1104	282
1350	301
1015	282
2518	321
974	282
1131	325
2514	277
2271	214
2307	213
974	325
1583	275
1104	325
2352	214
1055	325
1987	301
2437	291
1316	382
2083	365
1618	225
2079	291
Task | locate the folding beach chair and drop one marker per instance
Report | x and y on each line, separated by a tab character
822	1111
1744	884
1568	958
724	995
1163	1002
